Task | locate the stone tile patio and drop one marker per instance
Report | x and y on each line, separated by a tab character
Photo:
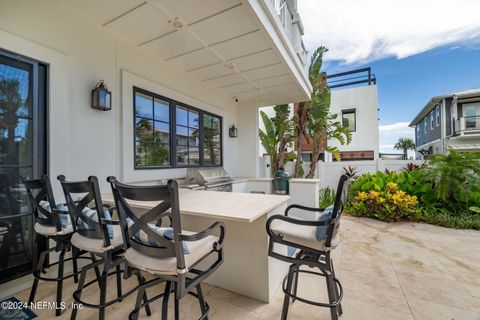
389	271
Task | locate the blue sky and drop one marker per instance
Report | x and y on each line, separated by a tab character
405	85
417	50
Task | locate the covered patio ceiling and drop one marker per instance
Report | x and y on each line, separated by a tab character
223	43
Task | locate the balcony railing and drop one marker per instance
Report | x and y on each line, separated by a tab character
282	10
467	124
293	32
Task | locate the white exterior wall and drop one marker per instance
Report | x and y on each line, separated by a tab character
364	100
83	141
248	140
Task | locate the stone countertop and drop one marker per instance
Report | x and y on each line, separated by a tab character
239	180
242	207
243	179
303	180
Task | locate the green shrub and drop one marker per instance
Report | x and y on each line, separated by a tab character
388	203
445	218
447	192
327	197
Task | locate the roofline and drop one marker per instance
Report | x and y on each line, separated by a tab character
426	109
433	101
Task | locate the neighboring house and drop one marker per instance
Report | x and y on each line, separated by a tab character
449	120
354	98
181	73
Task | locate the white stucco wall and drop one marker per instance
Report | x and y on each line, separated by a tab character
83	141
365	100
248	141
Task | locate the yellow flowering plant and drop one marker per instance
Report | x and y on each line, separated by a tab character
388	204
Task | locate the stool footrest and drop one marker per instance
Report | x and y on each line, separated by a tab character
315	303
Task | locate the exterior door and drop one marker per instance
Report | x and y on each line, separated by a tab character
22	151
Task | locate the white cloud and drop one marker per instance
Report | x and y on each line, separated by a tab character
389	135
358	31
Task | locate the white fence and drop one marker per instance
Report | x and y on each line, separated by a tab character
330	172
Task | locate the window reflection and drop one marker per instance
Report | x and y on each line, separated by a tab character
152	131
187	136
212	142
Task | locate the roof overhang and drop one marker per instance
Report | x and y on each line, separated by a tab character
425	110
237	47
459	95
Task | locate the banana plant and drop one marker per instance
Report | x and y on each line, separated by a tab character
277	139
314	121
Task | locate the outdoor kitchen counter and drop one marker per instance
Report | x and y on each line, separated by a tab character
242	207
247	269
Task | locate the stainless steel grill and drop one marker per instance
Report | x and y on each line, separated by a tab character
213	179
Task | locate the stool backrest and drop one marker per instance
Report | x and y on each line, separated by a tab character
167	207
78	195
340	200
41	190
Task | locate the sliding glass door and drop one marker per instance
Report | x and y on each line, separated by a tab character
22	151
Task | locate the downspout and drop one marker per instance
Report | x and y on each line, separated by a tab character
453	120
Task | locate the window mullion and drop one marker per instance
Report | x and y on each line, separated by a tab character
173	137
201	156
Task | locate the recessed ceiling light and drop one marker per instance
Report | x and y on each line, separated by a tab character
176	23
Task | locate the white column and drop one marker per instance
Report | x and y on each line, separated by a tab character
247	145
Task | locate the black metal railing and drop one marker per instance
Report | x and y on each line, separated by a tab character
352	77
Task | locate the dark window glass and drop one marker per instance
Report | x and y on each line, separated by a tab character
211	142
193	144
143	105
152	131
348	120
188	136
162	110
22	152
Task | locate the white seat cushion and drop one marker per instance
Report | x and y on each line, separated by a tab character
302	235
52	230
96	245
168	265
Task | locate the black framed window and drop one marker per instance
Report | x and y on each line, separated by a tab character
152	131
187	139
349	119
170	134
212	140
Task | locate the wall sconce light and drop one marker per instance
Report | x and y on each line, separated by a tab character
233	132
101	97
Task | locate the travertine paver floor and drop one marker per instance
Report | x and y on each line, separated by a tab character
390	271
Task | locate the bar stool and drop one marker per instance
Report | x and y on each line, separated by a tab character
53	224
168	253
97	233
313	242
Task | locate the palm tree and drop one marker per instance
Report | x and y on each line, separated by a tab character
10	103
405	144
454	176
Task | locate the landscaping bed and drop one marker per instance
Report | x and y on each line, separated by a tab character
445	191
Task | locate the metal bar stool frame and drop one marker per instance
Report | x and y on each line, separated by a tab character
311	257
110	258
187	277
50	219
